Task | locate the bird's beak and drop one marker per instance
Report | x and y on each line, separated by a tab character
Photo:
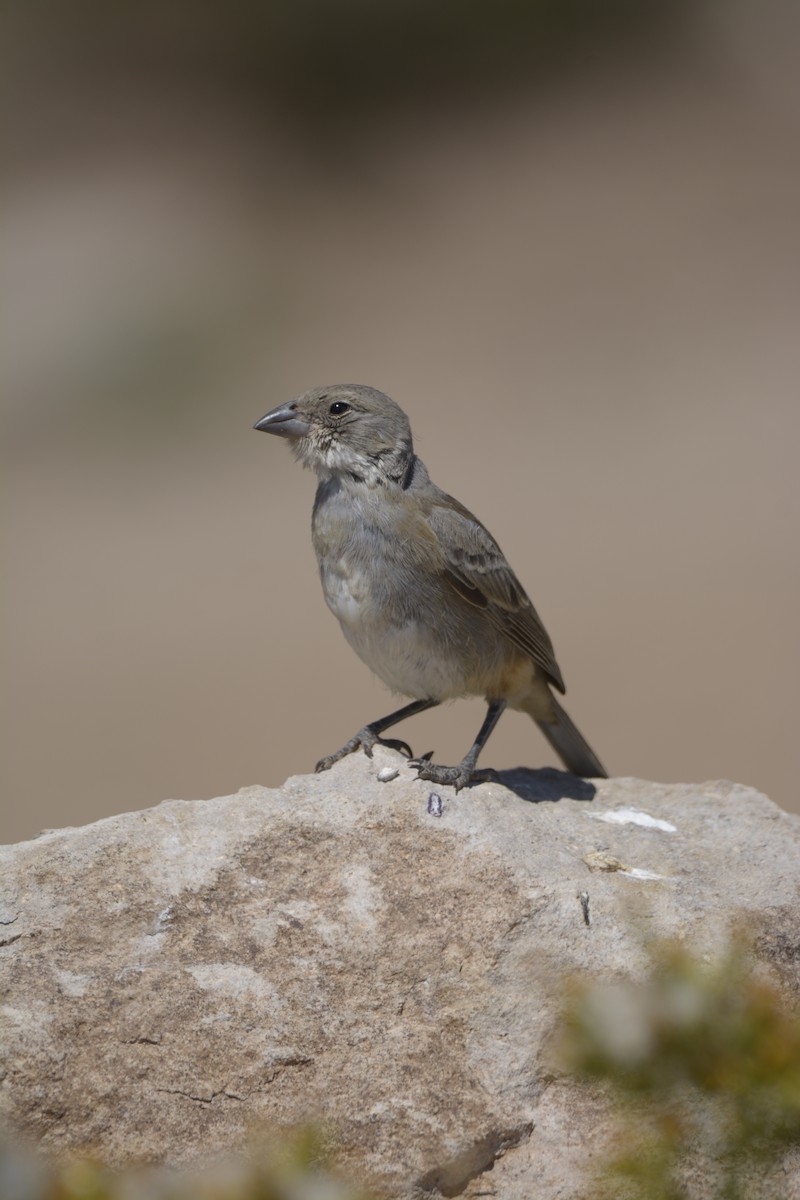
284	421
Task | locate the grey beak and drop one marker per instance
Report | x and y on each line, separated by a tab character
284	421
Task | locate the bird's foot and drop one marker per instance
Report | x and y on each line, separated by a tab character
456	777
366	739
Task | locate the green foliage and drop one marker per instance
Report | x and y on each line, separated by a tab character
703	1061
292	1168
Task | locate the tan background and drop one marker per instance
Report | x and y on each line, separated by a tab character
583	288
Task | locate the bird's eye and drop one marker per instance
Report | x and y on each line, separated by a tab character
338	407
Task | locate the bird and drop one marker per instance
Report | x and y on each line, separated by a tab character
422	591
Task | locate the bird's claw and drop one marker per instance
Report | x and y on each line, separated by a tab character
366	739
397	744
456	777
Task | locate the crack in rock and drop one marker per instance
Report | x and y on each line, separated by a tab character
453	1176
202	1099
278	1068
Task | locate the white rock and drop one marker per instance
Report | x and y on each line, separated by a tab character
178	976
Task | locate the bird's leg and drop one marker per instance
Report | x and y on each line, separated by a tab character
367	737
461	775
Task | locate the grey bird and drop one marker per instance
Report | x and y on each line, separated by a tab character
421	589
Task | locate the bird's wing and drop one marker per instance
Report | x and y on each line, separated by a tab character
477	570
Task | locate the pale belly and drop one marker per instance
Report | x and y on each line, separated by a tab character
400	650
415	650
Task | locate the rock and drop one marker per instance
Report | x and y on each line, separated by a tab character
343	951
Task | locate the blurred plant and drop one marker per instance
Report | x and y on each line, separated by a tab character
703	1061
290	1169
312	59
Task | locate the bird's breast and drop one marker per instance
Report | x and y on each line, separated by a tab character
382	577
346	590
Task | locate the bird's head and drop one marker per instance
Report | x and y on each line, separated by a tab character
346	429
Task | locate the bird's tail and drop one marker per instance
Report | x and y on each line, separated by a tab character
569	743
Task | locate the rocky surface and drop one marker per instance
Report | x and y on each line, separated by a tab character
335	950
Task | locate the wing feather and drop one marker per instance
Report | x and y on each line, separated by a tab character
477	570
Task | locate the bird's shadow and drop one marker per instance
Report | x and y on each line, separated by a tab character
545	785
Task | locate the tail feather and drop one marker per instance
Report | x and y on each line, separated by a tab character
570	745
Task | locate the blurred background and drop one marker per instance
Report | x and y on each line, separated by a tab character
562	234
